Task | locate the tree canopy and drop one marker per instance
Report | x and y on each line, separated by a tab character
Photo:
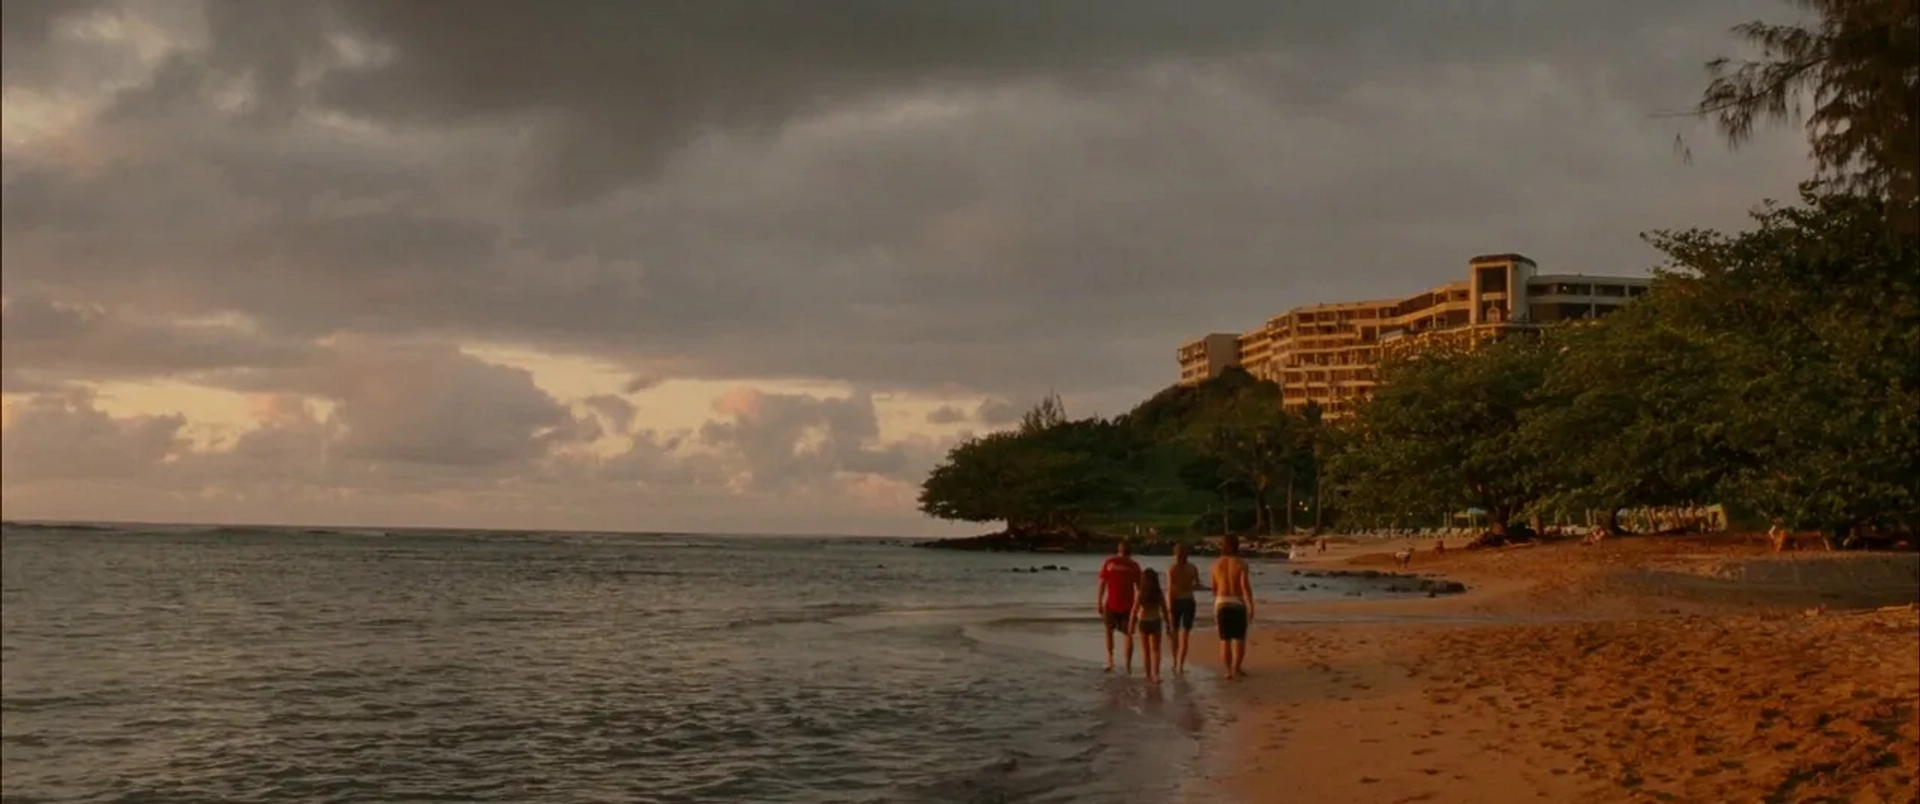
1444	433
1858	63
1223	451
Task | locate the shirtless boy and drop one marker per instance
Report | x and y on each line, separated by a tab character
1232	606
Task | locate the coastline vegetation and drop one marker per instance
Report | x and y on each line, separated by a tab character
1775	370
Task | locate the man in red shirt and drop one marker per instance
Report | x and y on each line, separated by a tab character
1119	580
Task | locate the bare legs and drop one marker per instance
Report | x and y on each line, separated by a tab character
1233	655
1181	638
1125	634
1108	627
1150	644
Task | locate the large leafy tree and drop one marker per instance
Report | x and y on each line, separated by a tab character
1809	324
1255	444
1630	413
1048	476
1858	64
1444	433
977	483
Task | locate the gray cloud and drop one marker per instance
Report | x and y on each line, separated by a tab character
986	228
89	341
615	412
995	197
14	382
644	382
996	412
799	440
301	464
658	460
437	406
619	87
947	414
64	436
27	29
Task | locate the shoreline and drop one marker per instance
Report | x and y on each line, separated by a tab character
1093	542
1669	669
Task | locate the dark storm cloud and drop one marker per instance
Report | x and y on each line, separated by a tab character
1009	196
27	32
625	84
85	341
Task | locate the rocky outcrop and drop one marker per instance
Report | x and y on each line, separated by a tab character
1392	582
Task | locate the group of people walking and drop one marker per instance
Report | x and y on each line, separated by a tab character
1133	603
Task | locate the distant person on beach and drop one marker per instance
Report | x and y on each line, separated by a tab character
1232	605
1119	580
1149	611
1183	577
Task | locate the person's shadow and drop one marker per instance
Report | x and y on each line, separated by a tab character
1175	700
1185	711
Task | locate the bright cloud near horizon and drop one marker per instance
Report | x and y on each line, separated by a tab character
743	266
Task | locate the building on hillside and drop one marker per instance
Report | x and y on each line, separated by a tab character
1330	353
1204	358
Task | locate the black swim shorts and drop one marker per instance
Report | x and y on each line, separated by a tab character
1149	627
1183	614
1116	620
1232	621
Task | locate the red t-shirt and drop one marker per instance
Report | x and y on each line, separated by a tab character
1122	577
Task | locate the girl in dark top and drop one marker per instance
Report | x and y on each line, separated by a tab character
1149	611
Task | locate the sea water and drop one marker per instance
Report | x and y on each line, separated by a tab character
154	664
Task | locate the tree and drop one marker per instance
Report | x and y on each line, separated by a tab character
976	483
1444	433
1049	413
1320	441
1204	472
1810	322
1048	476
1254	442
1630	410
1859	62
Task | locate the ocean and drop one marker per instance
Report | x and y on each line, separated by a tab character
197	664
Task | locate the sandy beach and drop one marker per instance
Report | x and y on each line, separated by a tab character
1636	670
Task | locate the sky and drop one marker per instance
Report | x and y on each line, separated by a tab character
754	266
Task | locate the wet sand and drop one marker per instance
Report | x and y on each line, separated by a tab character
1637	670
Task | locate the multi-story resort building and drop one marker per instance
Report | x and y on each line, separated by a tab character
1330	353
1204	358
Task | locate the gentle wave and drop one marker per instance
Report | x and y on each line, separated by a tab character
226	665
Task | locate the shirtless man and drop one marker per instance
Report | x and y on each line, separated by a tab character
1119	581
1232	605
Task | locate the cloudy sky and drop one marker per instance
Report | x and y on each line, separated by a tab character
748	265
